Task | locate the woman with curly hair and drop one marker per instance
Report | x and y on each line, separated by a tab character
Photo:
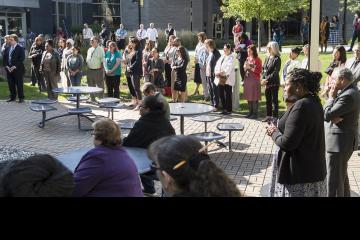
299	168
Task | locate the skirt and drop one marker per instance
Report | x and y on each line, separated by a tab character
197	75
334	38
317	189
180	84
252	88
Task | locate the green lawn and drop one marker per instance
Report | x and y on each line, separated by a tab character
33	93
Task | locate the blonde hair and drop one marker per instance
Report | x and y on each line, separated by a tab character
210	43
274	48
107	131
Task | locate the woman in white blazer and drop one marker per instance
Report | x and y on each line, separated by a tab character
225	78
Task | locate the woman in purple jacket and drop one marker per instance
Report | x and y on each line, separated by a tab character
107	170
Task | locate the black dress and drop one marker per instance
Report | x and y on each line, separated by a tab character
197	74
180	75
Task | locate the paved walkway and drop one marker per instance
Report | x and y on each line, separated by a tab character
249	164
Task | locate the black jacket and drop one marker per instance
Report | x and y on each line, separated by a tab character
35	54
215	57
17	58
301	139
135	64
149	128
271	69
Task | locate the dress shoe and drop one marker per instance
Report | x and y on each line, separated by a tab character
10	100
21	100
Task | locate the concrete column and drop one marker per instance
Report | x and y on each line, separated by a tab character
314	35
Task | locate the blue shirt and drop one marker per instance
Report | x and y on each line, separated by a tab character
121	33
110	60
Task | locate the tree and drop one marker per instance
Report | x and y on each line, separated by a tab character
262	10
353	5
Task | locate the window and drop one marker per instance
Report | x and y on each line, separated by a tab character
107	10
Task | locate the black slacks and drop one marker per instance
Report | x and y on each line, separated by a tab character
16	84
272	102
225	93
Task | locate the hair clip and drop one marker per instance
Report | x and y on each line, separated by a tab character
179	165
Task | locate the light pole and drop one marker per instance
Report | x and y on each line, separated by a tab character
314	35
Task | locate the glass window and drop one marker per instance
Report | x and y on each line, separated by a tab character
14	25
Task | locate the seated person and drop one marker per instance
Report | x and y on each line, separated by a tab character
36	176
151	126
185	170
149	89
106	170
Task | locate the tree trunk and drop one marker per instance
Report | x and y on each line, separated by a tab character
344	23
259	35
269	30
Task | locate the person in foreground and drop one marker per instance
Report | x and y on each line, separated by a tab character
36	176
152	125
300	163
106	170
185	170
341	113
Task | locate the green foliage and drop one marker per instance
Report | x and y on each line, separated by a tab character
262	9
352	5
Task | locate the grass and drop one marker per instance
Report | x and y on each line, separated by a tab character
33	93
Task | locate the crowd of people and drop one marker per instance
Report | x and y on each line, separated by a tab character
310	159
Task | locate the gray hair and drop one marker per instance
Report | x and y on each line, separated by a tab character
344	73
274	48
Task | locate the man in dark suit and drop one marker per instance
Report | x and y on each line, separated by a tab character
354	64
13	60
341	114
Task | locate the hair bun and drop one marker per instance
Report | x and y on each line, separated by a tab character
316	76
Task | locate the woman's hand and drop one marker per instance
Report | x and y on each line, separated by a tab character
264	82
271	129
108	72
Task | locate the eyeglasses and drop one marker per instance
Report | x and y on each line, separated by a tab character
357	51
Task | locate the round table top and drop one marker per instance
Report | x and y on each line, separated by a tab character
183	109
77	90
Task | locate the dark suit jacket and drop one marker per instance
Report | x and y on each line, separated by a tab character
149	128
301	140
135	64
271	69
17	58
215	57
350	64
344	135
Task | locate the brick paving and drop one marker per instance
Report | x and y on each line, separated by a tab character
249	164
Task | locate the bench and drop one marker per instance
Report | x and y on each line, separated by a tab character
74	99
230	127
43	108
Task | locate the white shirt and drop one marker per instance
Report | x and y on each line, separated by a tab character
304	64
87	33
152	34
141	34
226	64
199	47
292	65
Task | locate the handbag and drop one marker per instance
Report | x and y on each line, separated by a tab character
222	80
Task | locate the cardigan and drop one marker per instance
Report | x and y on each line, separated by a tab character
301	140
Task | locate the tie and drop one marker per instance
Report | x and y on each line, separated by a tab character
10	53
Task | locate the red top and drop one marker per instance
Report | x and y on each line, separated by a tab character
237	29
358	26
258	66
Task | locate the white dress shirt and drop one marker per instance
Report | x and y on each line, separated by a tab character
87	33
152	34
141	34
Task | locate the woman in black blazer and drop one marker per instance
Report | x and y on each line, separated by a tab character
271	80
134	69
299	168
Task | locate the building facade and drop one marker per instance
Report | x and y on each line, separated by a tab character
44	16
